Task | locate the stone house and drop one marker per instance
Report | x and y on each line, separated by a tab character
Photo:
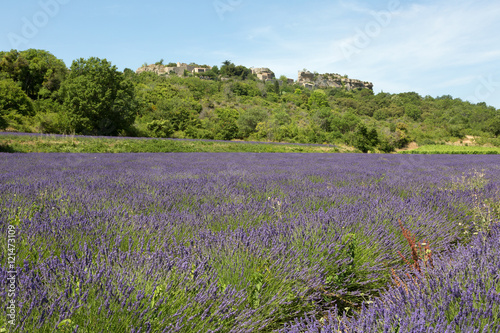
178	70
263	74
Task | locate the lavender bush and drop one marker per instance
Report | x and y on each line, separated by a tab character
461	293
243	242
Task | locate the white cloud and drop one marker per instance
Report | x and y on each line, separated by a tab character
429	47
423	46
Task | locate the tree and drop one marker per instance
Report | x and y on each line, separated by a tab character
231	70
3	120
345	123
323	118
413	112
364	139
13	98
247	121
181	113
242	72
226	127
160	128
317	99
381	114
386	146
399	135
38	72
129	74
245	89
98	98
456	131
216	70
493	126
276	87
13	101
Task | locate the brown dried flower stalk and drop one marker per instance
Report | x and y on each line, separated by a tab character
421	254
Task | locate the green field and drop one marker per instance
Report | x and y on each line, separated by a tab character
80	144
448	149
13	143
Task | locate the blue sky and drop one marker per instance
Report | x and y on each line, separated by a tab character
431	47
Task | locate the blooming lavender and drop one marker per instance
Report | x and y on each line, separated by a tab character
459	294
245	242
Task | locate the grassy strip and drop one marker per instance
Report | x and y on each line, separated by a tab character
72	144
445	149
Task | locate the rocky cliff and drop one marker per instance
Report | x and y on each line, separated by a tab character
314	80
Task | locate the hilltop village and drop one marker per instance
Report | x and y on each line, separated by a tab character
305	78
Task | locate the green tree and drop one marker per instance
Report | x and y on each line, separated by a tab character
386	146
215	70
231	70
242	72
381	114
38	72
323	117
345	123
13	98
160	128
227	68
413	112
245	89
129	74
364	139
181	113
226	127
276	87
318	99
493	126
98	98
456	131
248	120
399	135
13	102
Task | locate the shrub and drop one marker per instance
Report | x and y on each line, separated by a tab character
160	128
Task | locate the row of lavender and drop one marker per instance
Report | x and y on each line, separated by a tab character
461	293
228	242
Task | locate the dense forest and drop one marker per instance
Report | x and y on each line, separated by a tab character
38	93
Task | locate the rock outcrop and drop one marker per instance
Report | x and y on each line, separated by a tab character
314	80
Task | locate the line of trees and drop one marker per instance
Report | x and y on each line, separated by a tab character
39	93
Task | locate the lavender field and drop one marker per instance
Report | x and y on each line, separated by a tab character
249	242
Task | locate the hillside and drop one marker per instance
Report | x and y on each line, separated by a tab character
39	94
